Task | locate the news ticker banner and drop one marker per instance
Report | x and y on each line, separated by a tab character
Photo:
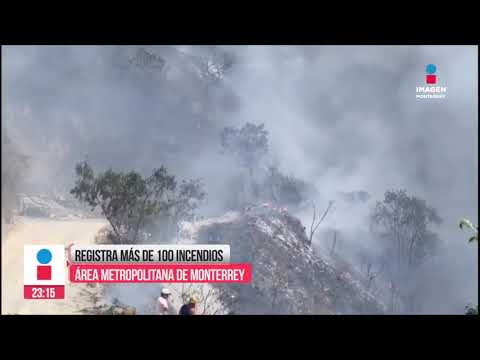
45	272
149	254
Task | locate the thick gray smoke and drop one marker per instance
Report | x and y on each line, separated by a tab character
342	117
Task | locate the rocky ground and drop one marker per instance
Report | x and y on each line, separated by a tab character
53	207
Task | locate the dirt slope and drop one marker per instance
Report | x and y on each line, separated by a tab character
288	276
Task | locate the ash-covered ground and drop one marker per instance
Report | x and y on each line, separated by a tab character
288	276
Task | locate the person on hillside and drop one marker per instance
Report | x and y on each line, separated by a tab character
163	302
190	306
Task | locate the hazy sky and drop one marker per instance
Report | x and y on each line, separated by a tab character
342	117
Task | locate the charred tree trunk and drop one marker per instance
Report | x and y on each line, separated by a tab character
334	243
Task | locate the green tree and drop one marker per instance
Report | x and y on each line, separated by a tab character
248	145
465	223
127	200
403	223
285	190
470	310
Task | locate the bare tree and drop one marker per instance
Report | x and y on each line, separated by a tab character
316	223
279	284
207	296
335	292
334	243
393	296
187	200
370	276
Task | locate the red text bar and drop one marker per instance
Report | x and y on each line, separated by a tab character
160	273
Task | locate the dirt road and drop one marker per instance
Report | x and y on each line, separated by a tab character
30	231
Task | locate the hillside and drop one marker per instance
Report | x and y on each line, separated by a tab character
288	277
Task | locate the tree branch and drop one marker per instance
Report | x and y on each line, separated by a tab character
314	227
109	220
